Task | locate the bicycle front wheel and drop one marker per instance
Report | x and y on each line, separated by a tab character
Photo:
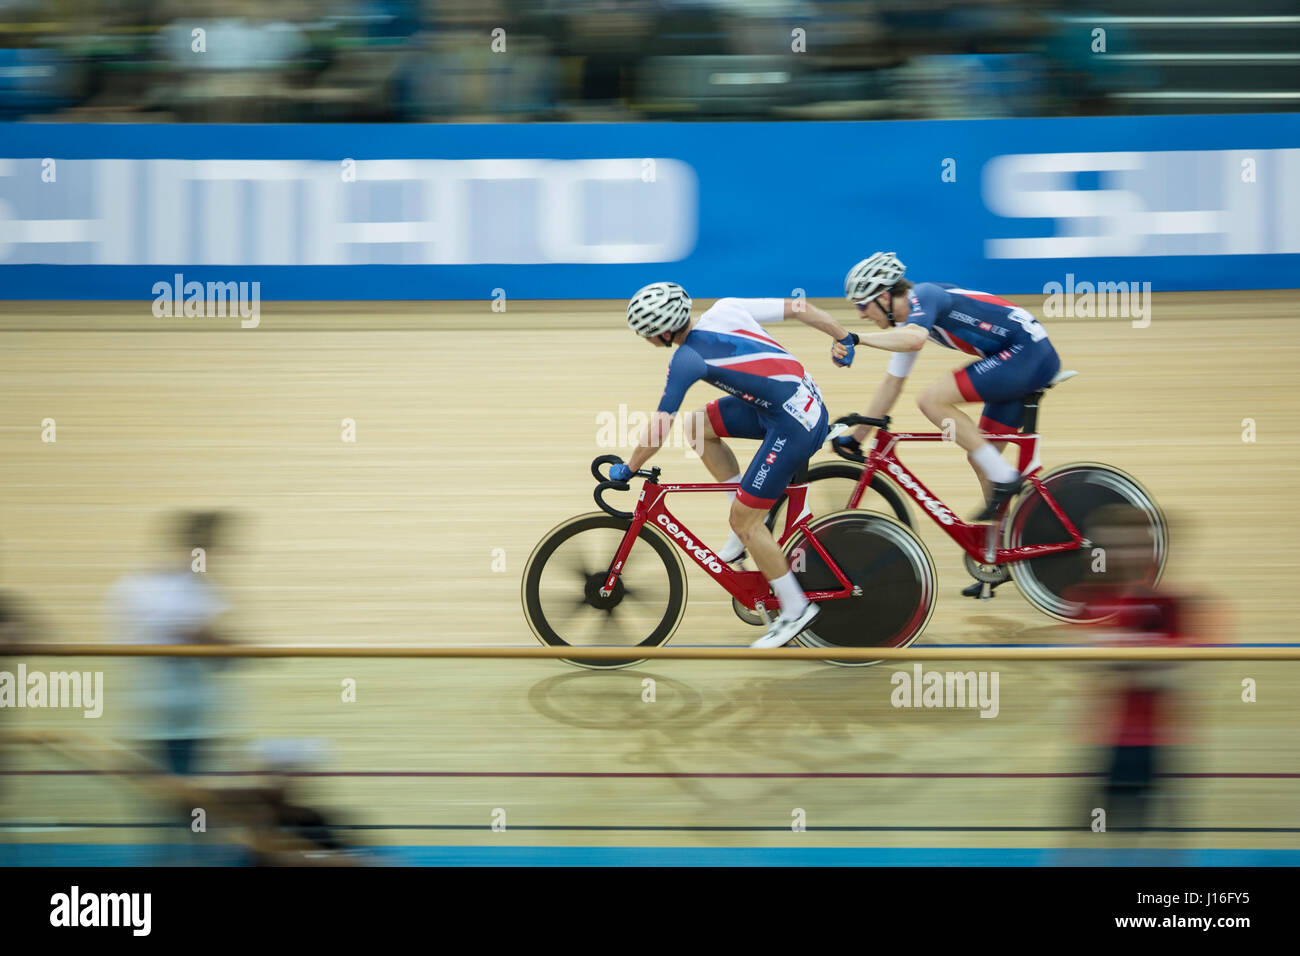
564	575
1051	582
883	558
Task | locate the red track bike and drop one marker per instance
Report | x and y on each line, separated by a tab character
617	578
1038	540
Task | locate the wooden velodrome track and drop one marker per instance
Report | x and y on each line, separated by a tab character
474	431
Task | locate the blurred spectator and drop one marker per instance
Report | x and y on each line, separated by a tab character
984	86
604	44
177	698
232	63
231	42
471	62
1087	66
1139	716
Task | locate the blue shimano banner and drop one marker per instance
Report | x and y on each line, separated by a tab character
595	211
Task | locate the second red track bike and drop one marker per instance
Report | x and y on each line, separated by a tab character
1039	541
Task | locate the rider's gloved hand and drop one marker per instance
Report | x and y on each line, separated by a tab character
846	446
848	342
619	472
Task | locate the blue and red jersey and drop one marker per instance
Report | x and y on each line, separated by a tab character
729	349
976	323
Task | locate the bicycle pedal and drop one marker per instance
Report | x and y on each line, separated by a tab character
980	591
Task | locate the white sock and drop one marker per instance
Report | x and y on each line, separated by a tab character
731	550
790	593
995	467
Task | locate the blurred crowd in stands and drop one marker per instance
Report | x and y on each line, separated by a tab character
509	60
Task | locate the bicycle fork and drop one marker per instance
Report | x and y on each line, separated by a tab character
624	549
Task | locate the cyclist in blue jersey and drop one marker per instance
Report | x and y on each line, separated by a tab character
769	397
1013	358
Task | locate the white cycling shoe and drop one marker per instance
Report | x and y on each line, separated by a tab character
783	631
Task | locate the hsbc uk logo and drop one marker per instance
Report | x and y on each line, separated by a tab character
743	396
991	361
978	323
768	462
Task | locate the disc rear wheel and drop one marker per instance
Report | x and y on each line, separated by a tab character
886	561
1054	583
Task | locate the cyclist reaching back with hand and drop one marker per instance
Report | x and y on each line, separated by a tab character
1013	358
770	397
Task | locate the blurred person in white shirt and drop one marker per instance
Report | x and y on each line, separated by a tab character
176	698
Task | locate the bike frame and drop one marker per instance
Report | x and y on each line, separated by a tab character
750	588
978	540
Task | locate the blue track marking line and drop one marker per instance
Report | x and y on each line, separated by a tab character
89	855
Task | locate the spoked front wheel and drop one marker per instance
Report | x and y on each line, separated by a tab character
1054	582
564	577
886	561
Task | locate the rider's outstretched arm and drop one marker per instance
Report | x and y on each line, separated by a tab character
651	439
819	319
905	338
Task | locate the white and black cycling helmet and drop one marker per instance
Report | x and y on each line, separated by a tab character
872	276
659	308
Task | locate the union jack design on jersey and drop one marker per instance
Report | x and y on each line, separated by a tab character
770	396
730	350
